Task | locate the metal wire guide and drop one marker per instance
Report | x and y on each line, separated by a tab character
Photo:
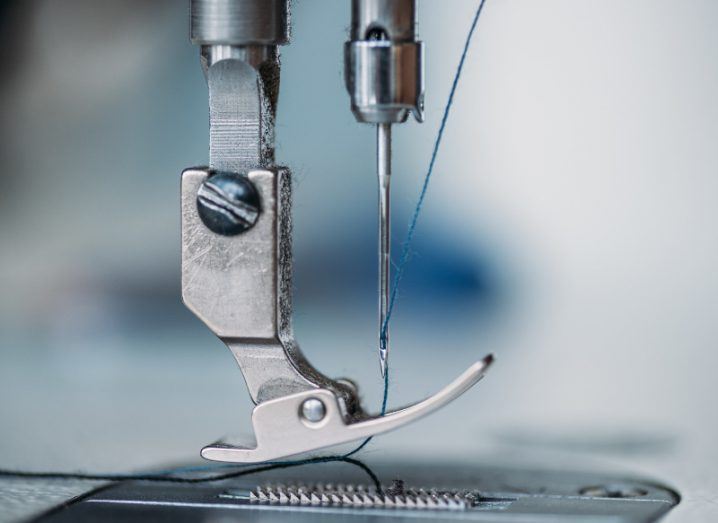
236	218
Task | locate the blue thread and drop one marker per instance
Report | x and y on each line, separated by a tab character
437	144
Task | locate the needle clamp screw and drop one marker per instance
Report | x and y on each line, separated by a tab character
228	203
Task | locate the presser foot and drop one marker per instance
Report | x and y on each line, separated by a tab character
313	419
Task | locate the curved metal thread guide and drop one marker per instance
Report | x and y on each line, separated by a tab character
236	249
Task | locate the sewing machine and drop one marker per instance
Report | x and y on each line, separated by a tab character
236	218
236	278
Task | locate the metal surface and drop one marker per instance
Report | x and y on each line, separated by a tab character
491	494
242	101
385	80
240	22
281	432
384	76
383	169
384	62
241	287
313	410
239	56
396	18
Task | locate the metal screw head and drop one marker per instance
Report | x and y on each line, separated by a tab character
228	203
313	410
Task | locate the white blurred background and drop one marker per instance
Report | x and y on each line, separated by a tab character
569	228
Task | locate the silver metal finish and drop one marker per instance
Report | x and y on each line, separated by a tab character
239	57
242	99
239	22
384	62
280	432
313	410
383	147
385	79
397	18
241	288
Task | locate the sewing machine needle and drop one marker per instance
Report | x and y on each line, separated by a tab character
383	142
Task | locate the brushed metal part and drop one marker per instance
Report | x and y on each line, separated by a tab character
383	62
258	56
231	283
239	57
397	18
385	80
281	433
239	22
240	287
242	103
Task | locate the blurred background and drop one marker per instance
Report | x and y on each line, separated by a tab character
569	229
